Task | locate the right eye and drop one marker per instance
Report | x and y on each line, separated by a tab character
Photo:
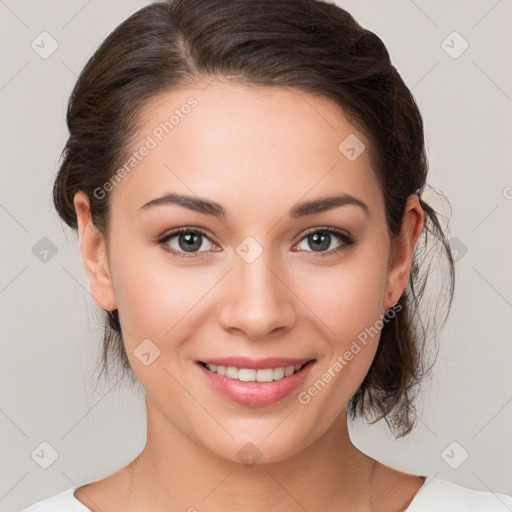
185	242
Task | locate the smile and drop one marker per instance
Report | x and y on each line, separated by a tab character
252	375
255	387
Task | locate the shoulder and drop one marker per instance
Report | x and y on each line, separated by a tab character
62	502
438	495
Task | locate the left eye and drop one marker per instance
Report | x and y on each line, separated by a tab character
320	241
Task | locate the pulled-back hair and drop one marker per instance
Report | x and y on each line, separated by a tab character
312	46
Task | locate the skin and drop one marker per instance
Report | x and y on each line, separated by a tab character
258	152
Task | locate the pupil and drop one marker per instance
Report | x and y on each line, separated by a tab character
191	242
323	240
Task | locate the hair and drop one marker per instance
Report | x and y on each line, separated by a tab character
311	46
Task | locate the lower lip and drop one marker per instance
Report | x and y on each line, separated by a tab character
256	394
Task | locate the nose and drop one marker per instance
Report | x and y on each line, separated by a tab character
257	300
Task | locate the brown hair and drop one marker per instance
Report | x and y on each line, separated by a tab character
312	46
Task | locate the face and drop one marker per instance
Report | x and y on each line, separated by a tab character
257	272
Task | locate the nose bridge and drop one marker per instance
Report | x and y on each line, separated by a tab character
258	302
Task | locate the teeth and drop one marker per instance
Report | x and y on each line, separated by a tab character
232	372
278	373
251	375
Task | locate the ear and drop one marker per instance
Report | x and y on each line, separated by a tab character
402	250
94	255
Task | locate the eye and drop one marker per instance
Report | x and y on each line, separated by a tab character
321	241
185	242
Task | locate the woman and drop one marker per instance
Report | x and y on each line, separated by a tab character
245	178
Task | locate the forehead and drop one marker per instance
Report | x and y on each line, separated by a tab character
248	146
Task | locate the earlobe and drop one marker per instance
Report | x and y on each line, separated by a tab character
402	250
94	255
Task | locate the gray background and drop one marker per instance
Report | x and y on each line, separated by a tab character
50	325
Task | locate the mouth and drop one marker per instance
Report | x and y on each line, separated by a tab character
252	374
255	383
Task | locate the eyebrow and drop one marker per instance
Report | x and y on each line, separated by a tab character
214	209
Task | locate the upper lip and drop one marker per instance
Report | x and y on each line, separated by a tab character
255	364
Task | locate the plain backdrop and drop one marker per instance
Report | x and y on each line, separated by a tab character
50	327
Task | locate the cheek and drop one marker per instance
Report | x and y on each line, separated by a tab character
345	298
154	294
347	302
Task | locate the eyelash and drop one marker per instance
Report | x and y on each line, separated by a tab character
344	238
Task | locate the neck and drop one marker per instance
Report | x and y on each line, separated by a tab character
172	470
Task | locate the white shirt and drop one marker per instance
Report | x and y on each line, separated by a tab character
435	495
